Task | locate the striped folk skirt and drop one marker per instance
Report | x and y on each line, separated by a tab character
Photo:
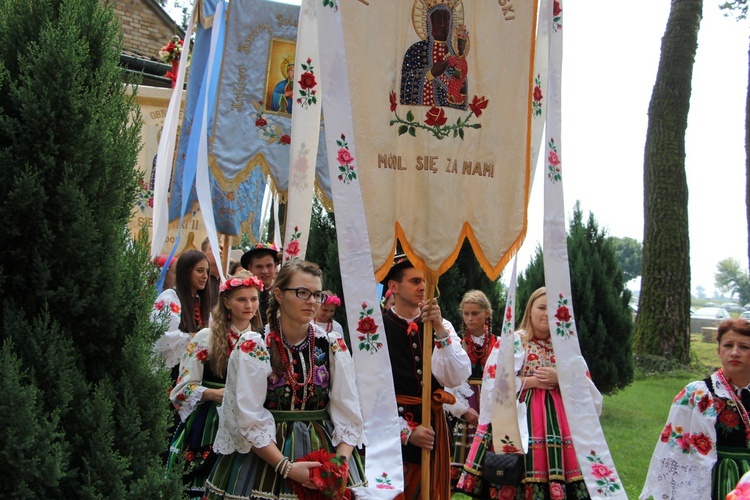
246	476
192	446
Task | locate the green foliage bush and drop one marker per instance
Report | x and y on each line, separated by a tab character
85	414
600	302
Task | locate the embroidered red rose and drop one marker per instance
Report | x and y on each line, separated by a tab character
553	159
248	346
293	248
470	483
556	491
151	202
491	370
435	116
261	122
538	93
493	493
704	403
285	139
201	355
341	344
552	360
159	305
344	156
556	9
509	448
666	433
307	80
684	441
679	395
532	356
367	325
729	418
719	404
507	492
174	307
392	97
563	314
701	443
205	454
478	104
508	313
600	471
189	456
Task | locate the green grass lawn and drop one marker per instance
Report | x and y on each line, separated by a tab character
633	418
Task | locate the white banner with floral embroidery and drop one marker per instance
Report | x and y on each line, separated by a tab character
507	434
304	146
590	445
442	94
384	468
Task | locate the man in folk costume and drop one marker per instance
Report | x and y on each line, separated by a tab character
404	330
263	261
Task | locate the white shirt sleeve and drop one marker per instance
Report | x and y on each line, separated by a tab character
173	342
451	365
244	423
344	407
188	391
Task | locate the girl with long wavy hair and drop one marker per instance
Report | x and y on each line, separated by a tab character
202	377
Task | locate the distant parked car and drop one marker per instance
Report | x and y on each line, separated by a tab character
707	316
731	306
746	307
745	315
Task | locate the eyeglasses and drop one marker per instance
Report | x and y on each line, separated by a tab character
305	294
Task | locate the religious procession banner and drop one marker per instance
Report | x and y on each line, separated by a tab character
153	102
251	136
443	121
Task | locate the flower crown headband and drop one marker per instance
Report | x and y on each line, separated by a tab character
332	300
233	283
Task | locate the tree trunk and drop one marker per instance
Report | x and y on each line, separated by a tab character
663	313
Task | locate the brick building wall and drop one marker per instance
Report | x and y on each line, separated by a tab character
145	26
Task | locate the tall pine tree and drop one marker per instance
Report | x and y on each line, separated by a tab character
84	414
600	302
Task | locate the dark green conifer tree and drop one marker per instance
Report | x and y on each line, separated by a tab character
600	302
84	414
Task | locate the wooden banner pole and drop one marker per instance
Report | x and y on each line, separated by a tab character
225	252
427	344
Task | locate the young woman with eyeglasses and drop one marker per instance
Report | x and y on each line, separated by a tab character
308	403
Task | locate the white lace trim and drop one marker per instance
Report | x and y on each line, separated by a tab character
668	479
171	347
188	406
349	433
461	406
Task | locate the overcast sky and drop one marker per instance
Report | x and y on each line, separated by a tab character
610	57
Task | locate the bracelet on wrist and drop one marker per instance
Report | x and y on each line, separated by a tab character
287	470
440	343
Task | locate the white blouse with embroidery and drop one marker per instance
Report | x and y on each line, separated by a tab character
172	344
188	391
685	453
244	423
